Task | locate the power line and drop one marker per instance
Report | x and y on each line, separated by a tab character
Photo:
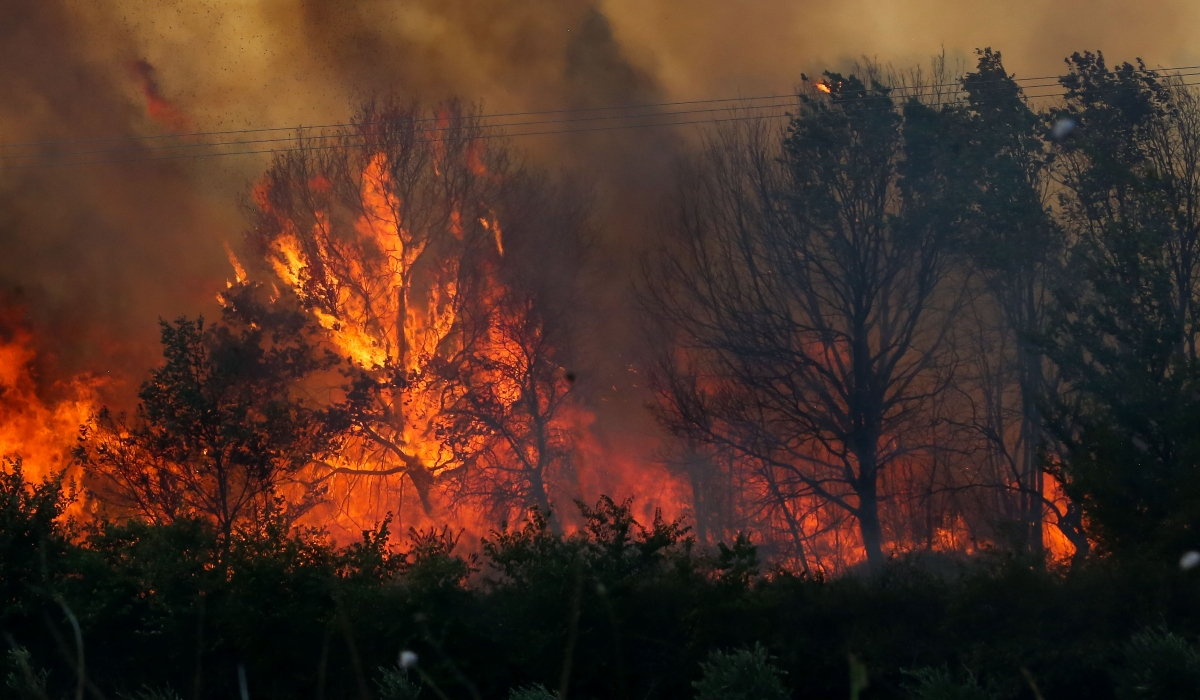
338	135
417	120
482	124
363	142
648	105
358	140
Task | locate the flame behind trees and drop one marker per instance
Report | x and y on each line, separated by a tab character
808	297
222	432
393	237
866	318
1125	335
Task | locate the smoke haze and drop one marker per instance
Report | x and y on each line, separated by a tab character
98	253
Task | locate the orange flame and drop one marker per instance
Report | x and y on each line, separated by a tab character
494	226
394	308
38	430
381	317
239	272
158	108
1058	547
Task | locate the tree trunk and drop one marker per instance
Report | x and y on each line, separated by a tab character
872	533
541	500
1071	525
866	487
1032	386
789	518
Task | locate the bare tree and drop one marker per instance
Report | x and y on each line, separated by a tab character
504	415
807	294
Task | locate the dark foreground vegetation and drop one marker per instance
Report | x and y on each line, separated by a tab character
619	610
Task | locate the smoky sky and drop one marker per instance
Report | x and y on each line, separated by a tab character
99	253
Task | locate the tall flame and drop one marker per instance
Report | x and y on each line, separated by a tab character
35	429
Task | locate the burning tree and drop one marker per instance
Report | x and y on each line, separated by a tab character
807	297
393	235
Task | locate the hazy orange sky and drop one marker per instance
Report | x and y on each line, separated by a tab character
100	253
281	62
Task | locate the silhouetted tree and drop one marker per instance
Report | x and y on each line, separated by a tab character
32	543
1126	337
1016	246
221	432
807	291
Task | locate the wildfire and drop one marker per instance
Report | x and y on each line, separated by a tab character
468	421
39	431
823	88
239	272
494	226
1056	543
386	311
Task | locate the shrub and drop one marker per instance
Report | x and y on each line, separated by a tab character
1158	664
22	680
743	674
537	691
32	540
940	684
393	683
147	693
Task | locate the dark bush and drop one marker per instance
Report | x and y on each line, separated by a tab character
622	610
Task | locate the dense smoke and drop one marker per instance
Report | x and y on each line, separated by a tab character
101	252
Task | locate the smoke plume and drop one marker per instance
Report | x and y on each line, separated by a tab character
98	253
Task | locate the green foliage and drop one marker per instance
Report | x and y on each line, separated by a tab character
151	694
940	684
32	540
220	427
742	674
648	609
537	691
1158	665
22	679
394	683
